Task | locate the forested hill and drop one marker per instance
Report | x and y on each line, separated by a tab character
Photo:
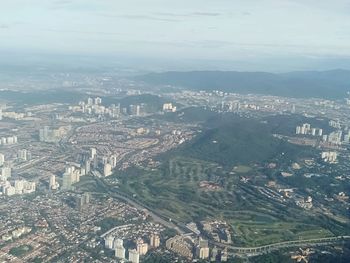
333	84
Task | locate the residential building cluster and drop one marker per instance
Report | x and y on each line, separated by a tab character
18	187
306	129
169	107
8	140
50	135
138	246
194	248
329	156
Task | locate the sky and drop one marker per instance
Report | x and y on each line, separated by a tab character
202	30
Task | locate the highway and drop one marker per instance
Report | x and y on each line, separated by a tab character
156	216
285	244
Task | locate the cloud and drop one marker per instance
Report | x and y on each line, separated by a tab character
59	4
190	14
146	17
139	17
4	26
82	32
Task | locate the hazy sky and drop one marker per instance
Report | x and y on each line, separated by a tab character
195	29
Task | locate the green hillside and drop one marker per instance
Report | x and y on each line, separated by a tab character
233	140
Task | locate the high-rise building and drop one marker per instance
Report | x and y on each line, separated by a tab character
53	185
2	159
135	110
118	242
203	252
107	169
119	248
113	161
89	101
109	241
134	256
214	254
85	198
93	153
23	155
19	186
83	201
120	252
6	172
203	248
224	255
142	247
104	160
87	167
71	176
9	190
154	241
98	100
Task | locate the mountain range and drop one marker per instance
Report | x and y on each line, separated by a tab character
332	84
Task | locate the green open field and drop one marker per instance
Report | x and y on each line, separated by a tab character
242	169
255	220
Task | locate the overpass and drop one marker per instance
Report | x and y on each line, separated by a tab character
286	244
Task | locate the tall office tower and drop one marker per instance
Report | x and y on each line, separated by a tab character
93	153
154	241
107	170
6	172
134	256
2	159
